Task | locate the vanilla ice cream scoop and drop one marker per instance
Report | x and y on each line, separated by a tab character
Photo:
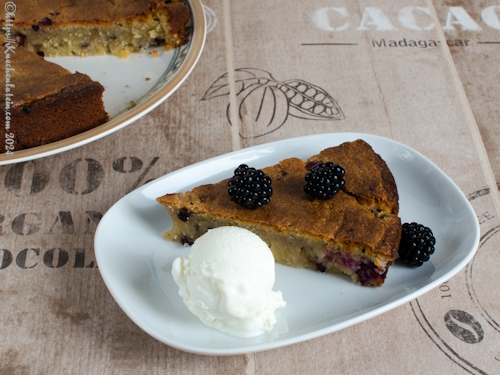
226	281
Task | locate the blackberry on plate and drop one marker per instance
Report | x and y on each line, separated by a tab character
324	180
417	244
250	187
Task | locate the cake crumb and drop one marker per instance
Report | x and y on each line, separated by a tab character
132	103
155	53
169	46
147	78
124	54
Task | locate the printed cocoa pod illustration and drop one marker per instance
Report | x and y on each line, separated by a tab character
262	108
473	334
310	102
265	103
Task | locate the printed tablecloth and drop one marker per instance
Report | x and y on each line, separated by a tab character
424	73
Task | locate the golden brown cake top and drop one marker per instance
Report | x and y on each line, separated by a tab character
367	174
53	12
34	78
344	218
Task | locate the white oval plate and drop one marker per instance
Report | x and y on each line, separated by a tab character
135	261
132	86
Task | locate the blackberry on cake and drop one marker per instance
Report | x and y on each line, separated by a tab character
250	188
324	180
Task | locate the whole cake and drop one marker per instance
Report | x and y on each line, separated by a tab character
46	103
357	232
93	27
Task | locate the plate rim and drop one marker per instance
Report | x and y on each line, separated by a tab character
307	336
141	109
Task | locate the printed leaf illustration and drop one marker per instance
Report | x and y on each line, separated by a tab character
219	88
250	73
265	103
248	76
243	78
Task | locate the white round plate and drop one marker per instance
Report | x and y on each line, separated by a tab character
132	86
135	261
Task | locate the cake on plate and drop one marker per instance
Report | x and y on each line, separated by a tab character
357	232
94	27
45	102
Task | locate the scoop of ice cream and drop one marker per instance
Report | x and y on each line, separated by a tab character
226	281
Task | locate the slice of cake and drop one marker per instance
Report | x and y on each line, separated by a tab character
94	27
44	102
357	232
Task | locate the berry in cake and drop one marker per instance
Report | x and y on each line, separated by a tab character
324	180
417	244
250	188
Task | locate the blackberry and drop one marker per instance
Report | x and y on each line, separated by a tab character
417	244
184	215
250	187
324	180
186	240
45	22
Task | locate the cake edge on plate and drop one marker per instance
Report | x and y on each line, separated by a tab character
49	103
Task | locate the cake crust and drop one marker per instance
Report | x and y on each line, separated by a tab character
35	78
369	178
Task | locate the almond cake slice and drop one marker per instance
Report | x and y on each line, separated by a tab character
95	27
45	102
357	232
